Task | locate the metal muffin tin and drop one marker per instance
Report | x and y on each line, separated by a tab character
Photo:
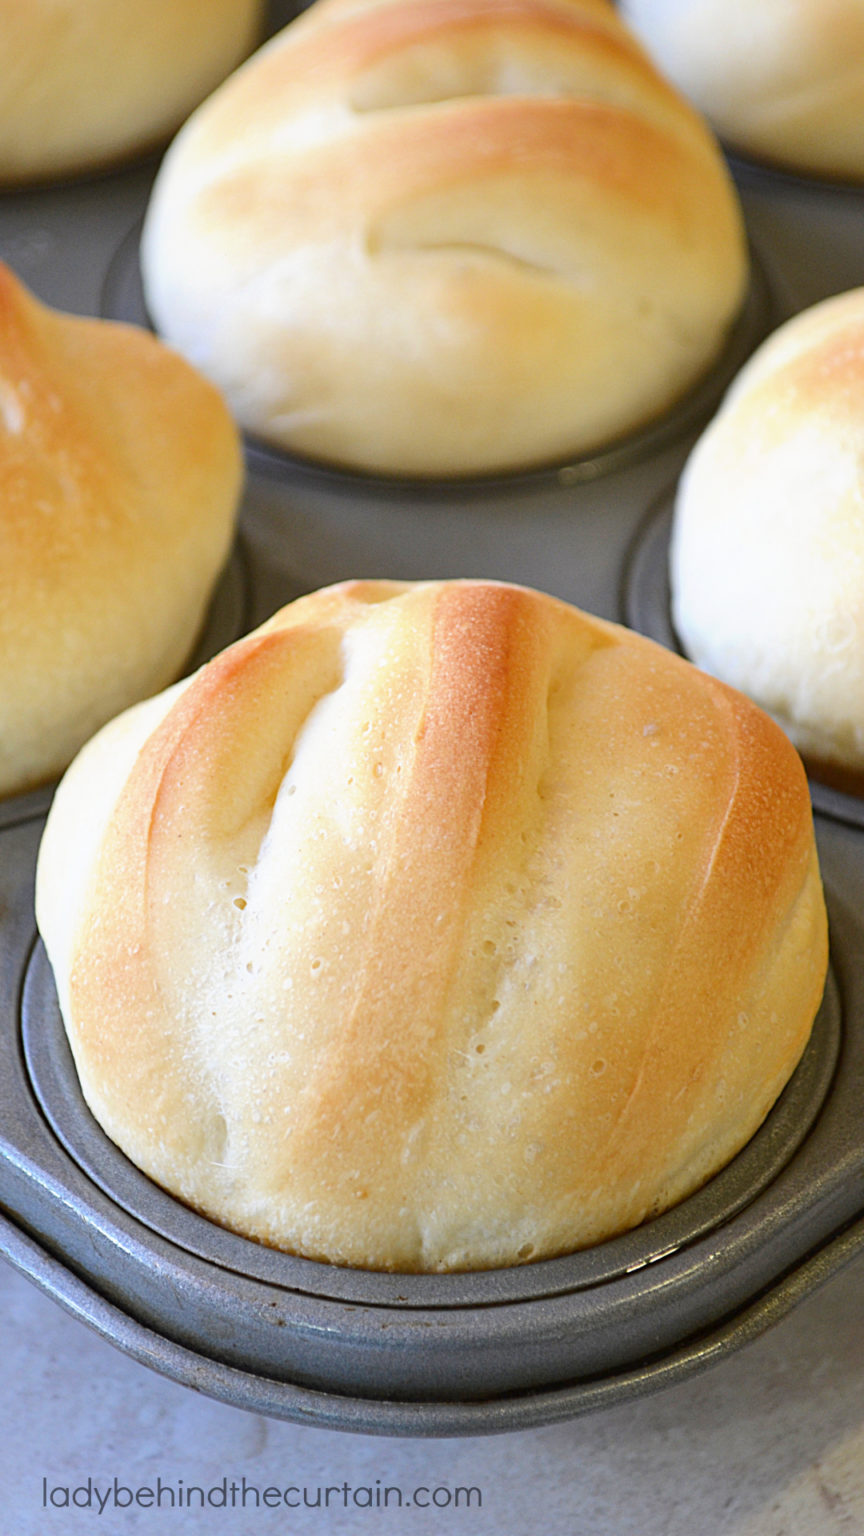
431	1355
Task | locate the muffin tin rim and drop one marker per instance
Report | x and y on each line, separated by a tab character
53	1082
600	1331
764	172
440	1418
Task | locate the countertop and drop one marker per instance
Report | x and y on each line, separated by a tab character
768	1443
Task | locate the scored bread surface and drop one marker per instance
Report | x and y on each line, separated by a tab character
434	927
443	237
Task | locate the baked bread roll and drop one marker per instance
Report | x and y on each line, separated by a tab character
780	79
86	82
445	237
768	545
434	927
119	477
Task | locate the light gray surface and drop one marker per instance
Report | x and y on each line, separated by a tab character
769	1443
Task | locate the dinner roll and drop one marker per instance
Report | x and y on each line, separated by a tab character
768	545
119	477
779	79
434	927
86	82
444	237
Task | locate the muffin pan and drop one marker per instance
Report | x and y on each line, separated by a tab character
435	1355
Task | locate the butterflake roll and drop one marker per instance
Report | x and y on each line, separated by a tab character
435	927
435	237
86	82
779	79
119	477
768	544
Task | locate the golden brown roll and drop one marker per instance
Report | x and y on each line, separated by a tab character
435	926
780	79
119	478
768	545
86	82
434	237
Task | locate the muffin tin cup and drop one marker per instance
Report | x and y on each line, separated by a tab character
54	1083
398	1350
405	1354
